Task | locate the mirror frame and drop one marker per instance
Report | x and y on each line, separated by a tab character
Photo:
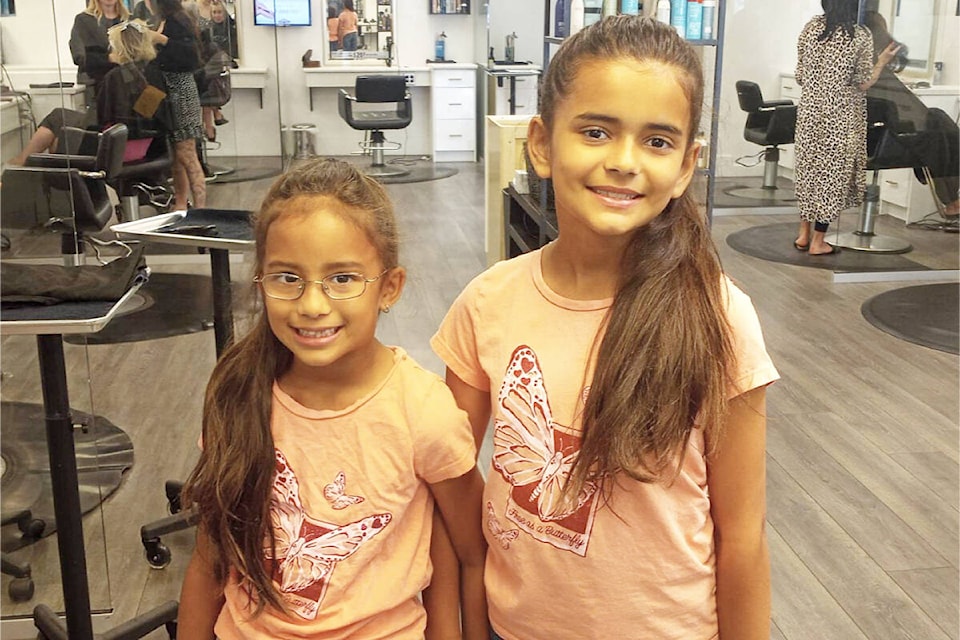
371	60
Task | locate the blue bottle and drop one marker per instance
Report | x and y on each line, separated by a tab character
694	20
678	16
630	7
439	47
560	22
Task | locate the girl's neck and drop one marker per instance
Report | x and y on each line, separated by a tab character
341	384
582	268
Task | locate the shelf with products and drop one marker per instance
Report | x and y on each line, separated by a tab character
461	7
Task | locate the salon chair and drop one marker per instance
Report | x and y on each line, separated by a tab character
890	145
66	192
142	182
769	124
381	90
21	587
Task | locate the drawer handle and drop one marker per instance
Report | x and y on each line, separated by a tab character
455	79
454	104
892	183
456	135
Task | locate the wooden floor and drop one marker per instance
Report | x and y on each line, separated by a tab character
863	432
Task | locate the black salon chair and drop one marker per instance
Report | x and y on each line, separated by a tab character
381	90
144	182
769	124
891	144
68	191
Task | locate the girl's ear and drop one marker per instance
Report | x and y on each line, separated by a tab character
392	287
687	169
538	146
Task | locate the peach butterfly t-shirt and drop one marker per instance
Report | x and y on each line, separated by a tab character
351	488
641	566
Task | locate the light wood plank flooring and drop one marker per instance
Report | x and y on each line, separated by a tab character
863	432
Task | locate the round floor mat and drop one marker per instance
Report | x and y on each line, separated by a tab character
774	242
241	173
926	314
418	170
104	452
172	304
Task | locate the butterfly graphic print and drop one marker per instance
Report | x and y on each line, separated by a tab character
308	550
535	455
335	493
501	535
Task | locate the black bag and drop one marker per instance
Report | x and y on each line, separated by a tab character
213	76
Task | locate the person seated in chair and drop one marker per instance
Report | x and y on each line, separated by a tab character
119	98
940	150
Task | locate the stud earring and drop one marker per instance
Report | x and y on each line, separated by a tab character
386	308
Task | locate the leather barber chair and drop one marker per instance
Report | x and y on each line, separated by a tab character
67	191
144	182
888	147
769	124
380	90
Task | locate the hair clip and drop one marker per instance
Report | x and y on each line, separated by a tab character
130	23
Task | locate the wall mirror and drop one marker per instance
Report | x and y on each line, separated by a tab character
525	20
915	23
374	38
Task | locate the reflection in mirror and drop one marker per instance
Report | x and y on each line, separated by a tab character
516	23
914	23
47	204
359	30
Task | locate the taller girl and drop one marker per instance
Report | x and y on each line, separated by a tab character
626	374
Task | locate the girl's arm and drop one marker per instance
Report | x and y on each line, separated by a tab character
474	401
201	597
736	478
459	502
442	598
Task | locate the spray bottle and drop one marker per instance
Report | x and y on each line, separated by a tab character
439	47
509	52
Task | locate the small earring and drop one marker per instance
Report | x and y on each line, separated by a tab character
386	308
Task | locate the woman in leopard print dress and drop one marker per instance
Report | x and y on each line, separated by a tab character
834	69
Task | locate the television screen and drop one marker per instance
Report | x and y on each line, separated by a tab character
281	13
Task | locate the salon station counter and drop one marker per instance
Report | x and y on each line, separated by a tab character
902	195
444	98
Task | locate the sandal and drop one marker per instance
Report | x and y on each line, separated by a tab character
220	121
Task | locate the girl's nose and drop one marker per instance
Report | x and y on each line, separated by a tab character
314	301
624	156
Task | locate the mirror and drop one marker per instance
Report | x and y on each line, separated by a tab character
914	23
525	19
359	30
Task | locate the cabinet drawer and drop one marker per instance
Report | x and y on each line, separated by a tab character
789	89
458	78
454	135
895	186
452	104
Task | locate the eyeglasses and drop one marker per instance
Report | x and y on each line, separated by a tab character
337	286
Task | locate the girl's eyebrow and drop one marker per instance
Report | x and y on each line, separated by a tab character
608	119
332	266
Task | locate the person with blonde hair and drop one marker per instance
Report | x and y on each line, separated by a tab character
132	47
88	42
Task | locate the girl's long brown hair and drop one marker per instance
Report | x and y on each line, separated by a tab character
231	485
664	361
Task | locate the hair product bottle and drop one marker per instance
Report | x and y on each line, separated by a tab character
694	19
439	47
663	11
576	16
678	16
560	19
609	8
631	7
709	10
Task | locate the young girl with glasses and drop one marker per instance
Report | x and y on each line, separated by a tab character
323	449
624	372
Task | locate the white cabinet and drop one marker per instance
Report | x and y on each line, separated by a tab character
789	90
454	111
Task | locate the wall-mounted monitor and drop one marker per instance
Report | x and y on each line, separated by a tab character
281	13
